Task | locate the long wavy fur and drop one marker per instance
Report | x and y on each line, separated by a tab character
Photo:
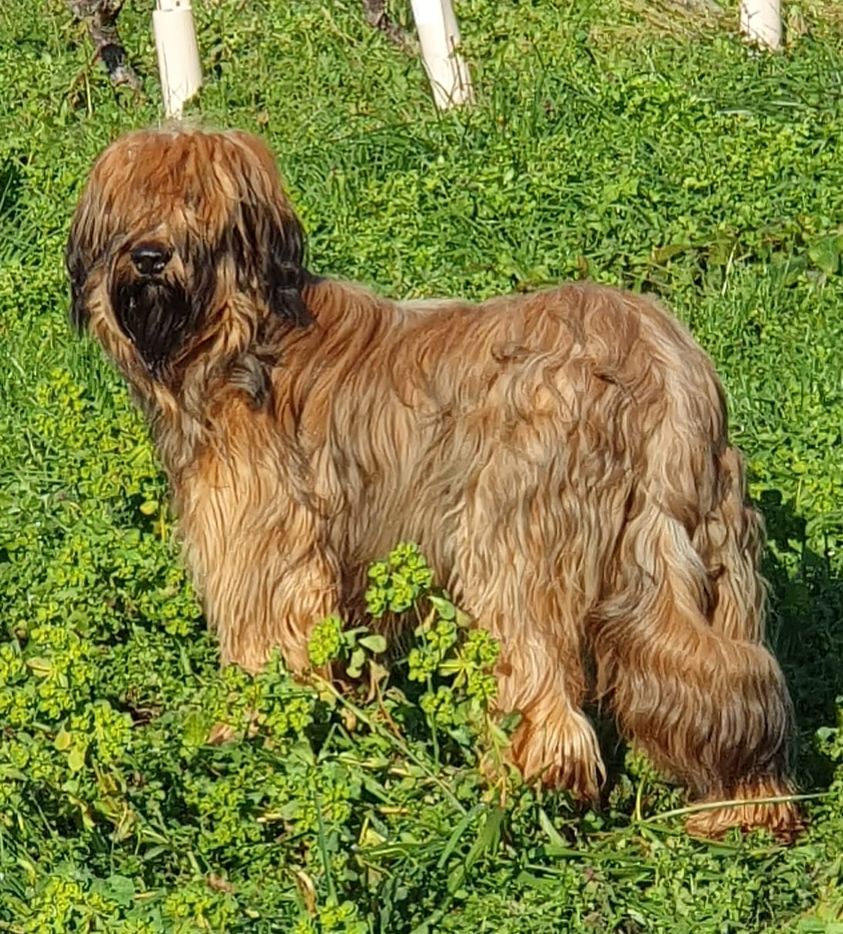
561	457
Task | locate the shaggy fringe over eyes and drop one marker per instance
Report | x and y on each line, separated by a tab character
562	459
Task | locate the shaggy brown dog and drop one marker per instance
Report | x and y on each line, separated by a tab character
561	458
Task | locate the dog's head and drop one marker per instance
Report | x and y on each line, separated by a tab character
183	241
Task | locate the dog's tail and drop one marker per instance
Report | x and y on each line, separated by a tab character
678	639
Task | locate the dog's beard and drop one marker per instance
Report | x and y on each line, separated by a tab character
157	317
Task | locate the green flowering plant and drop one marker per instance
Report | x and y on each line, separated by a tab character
453	663
331	642
397	582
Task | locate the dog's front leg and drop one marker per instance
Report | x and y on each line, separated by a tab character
264	576
258	606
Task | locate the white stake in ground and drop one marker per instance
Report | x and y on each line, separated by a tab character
439	37
178	53
761	22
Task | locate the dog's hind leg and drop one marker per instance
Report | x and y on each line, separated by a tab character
679	657
540	671
542	678
730	540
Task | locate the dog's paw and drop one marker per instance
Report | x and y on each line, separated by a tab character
561	751
752	809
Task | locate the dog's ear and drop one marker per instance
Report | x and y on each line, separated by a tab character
78	259
267	239
268	244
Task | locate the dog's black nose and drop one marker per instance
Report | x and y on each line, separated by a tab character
150	259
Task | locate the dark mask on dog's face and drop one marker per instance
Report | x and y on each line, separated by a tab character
151	307
161	298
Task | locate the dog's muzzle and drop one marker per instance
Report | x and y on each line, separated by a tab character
151	259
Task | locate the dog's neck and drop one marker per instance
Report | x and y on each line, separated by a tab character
329	301
183	414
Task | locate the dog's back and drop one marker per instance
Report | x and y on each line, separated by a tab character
578	394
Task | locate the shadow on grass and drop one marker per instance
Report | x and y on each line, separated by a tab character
805	628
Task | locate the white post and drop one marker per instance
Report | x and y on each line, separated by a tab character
178	53
439	37
761	22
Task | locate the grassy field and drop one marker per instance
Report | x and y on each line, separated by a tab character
613	139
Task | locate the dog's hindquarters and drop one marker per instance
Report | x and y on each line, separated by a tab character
677	637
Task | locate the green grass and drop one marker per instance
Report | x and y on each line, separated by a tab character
612	139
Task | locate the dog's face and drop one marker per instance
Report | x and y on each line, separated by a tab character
183	241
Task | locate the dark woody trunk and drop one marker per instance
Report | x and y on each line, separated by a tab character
100	18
